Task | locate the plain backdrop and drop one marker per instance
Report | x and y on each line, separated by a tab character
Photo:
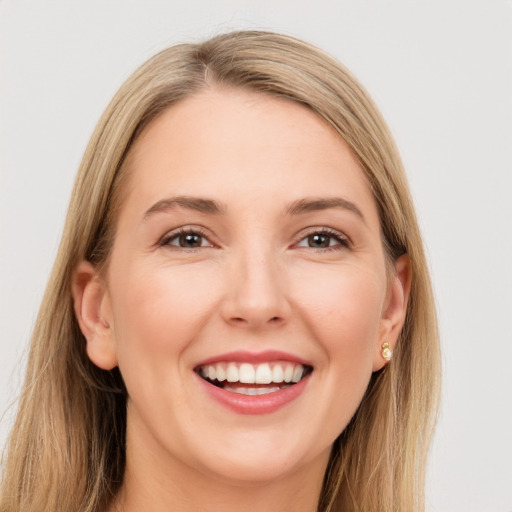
441	72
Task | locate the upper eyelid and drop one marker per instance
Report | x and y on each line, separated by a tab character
323	230
173	233
195	229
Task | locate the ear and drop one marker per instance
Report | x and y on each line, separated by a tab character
94	314
395	308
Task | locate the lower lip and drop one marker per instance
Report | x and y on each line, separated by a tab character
255	404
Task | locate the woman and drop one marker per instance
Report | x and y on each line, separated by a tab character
240	314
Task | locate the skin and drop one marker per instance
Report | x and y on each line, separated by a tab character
256	282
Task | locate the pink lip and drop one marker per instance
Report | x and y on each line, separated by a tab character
255	357
258	404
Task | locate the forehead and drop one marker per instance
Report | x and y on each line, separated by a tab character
231	144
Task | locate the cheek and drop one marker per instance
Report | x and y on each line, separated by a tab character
158	311
343	307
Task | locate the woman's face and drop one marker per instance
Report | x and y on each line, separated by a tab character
247	253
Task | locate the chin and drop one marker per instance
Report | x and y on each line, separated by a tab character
253	472
255	460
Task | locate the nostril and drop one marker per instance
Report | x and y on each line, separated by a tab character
242	321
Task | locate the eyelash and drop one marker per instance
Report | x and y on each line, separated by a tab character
342	241
166	241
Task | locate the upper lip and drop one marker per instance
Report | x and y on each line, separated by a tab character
254	357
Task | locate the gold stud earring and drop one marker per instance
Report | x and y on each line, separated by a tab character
386	351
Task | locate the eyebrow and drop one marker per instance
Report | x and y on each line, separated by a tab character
212	207
316	204
191	203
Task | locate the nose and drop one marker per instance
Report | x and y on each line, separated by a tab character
256	297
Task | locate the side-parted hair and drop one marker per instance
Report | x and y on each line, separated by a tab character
66	451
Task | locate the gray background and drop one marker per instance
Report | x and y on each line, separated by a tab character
441	73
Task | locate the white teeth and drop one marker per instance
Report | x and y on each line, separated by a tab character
252	391
232	373
277	373
263	374
264	391
297	373
247	373
221	373
288	373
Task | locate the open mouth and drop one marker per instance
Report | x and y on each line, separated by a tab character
253	379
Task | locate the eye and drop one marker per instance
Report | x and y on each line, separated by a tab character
324	239
187	239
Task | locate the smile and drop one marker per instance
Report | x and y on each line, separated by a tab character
253	379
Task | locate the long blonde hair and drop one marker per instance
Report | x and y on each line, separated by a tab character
66	451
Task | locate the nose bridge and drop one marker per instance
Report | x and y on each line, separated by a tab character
256	295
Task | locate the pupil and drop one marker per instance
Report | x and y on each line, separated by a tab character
318	241
190	240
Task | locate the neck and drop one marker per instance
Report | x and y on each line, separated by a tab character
182	494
